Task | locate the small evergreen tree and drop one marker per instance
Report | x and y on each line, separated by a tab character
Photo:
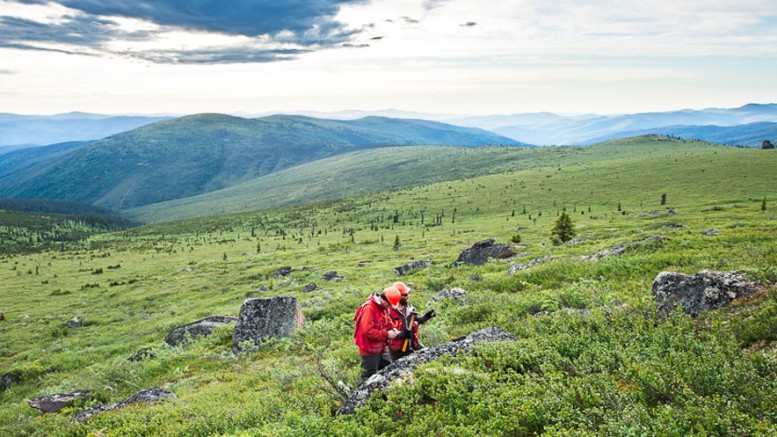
763	204
396	242
563	230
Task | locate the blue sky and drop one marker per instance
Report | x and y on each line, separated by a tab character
439	56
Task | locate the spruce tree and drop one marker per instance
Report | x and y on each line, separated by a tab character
563	230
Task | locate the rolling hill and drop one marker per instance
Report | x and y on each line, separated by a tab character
747	135
202	153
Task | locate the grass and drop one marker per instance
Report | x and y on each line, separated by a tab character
613	369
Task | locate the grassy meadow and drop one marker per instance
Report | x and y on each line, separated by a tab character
592	358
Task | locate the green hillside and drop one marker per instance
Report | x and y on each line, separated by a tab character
201	153
592	357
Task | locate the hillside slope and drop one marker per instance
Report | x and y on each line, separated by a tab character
201	153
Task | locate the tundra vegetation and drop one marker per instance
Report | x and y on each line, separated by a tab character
592	356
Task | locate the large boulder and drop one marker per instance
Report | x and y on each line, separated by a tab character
54	403
403	367
482	251
148	396
407	268
703	291
200	328
265	318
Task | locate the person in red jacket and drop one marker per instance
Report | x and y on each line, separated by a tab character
373	328
405	320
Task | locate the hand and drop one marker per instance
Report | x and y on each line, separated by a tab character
393	334
429	314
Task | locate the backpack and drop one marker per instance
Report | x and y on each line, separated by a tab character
357	326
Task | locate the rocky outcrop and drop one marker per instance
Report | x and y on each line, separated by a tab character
704	291
515	268
142	354
331	276
200	328
149	396
620	248
482	251
407	268
54	403
400	370
459	295
283	271
265	318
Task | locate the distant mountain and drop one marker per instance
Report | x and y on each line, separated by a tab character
196	154
75	126
747	135
549	129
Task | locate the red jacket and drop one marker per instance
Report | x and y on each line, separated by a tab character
400	321
372	326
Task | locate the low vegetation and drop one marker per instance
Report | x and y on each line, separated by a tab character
592	357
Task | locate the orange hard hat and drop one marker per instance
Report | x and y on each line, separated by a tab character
403	289
391	294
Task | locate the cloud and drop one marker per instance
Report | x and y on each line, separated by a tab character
266	30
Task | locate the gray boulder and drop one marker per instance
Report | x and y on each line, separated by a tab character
265	318
459	295
515	268
704	291
482	251
407	268
200	328
310	287
149	396
54	403
711	232
75	322
331	276
398	371
283	271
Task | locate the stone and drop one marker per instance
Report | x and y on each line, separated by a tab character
331	276
148	396
704	291
8	380
399	371
575	241
283	271
482	251
515	268
196	329
310	287
620	248
54	403
142	354
711	232
459	295
265	318
407	268
75	322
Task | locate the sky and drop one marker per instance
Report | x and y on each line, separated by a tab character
469	57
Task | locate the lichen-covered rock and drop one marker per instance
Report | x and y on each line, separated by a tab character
200	328
148	396
459	295
310	287
265	318
331	276
407	268
75	322
54	403
400	369
711	232
283	271
620	248
482	251
142	354
703	291
515	268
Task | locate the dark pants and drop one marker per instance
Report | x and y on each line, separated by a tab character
371	364
397	354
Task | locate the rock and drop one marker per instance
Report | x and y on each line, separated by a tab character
457	294
407	268
331	276
310	287
199	328
141	354
704	291
283	271
575	241
515	268
482	251
711	232
398	371
8	380
54	403
619	249
148	396
475	278
265	318
75	322
673	226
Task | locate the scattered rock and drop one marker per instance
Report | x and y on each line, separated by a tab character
711	232
141	354
407	268
54	403
704	291
199	328
75	322
283	271
457	294
515	268
619	249
482	251
265	318
400	370
331	276
310	287
574	241
145	396
475	278
8	380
